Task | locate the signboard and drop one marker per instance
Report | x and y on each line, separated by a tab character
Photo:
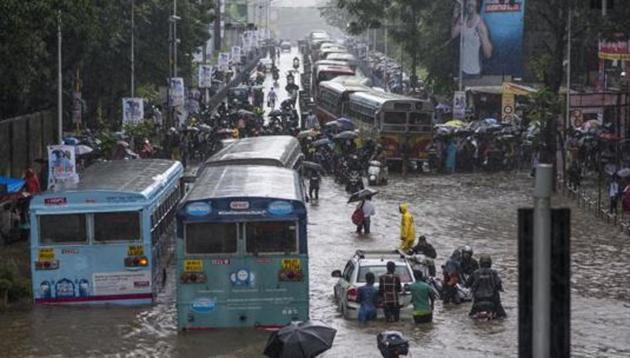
507	107
193	266
459	105
617	48
236	54
205	76
116	283
46	255
77	105
135	250
62	166
176	92
223	61
492	37
133	110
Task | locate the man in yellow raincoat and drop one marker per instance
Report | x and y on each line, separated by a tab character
407	228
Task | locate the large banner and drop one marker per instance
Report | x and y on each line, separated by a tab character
133	110
236	54
492	37
459	105
205	76
176	92
62	166
223	61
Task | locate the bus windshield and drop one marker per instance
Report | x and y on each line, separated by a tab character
119	226
60	229
395	117
271	237
211	238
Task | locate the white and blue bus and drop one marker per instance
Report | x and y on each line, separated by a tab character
109	239
242	258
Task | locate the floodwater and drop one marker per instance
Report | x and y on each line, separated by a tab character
475	209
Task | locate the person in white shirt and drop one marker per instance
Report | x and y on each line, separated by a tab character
368	211
476	37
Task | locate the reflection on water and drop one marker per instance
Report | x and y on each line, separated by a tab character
462	209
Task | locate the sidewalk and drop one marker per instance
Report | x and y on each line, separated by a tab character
592	196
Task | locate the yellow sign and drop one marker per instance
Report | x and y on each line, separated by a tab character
291	265
46	255
507	105
193	266
135	250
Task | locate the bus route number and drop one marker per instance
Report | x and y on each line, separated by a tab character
291	265
135	250
193	266
46	255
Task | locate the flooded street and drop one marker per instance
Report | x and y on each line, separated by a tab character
478	209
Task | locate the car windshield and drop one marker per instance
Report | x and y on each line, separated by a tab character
401	270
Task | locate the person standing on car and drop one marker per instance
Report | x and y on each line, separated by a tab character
486	285
424	248
422	297
367	297
407	228
368	211
388	289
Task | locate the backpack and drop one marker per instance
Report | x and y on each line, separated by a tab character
625	201
484	286
357	216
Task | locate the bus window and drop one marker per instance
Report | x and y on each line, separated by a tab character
62	229
274	236
395	117
210	238
420	118
118	226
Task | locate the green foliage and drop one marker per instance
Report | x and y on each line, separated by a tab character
96	50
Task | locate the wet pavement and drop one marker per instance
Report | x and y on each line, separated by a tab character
475	209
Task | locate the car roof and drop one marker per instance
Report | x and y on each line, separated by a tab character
379	262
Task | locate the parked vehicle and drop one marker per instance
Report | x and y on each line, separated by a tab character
377	173
353	276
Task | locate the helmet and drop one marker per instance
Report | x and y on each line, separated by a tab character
485	261
467	250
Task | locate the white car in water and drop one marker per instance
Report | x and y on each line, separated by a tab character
353	277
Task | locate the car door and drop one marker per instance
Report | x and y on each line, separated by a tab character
344	281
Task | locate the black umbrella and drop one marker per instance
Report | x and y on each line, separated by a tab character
276	113
312	165
300	339
362	195
244	113
321	142
346	135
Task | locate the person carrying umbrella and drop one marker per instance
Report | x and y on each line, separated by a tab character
368	211
407	228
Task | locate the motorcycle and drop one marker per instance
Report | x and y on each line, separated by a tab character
453	290
355	182
485	311
377	173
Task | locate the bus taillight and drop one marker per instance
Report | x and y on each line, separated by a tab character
193	277
136	261
47	265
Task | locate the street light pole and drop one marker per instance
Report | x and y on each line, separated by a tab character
174	38
461	45
59	82
133	70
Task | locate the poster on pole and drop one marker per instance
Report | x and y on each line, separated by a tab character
459	105
77	107
492	43
62	167
223	61
236	54
133	110
205	76
176	92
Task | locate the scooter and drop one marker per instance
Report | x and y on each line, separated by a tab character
355	182
377	173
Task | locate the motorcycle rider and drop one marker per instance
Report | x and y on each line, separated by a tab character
468	263
271	98
424	248
451	272
486	285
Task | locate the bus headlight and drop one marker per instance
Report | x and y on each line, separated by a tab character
136	261
193	277
47	265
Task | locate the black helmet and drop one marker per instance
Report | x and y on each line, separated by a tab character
485	261
467	250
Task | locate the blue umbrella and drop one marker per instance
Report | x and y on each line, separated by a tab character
345	124
71	141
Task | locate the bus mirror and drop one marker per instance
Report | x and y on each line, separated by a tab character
336	273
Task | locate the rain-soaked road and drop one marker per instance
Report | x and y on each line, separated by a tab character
475	209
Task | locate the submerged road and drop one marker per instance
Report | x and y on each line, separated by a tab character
475	209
